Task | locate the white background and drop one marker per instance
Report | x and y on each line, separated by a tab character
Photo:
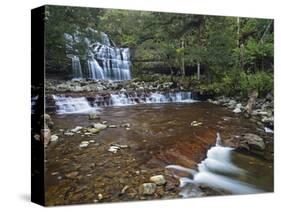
15	104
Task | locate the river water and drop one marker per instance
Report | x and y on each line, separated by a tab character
160	137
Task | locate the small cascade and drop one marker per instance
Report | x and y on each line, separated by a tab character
68	105
76	67
73	105
123	99
216	171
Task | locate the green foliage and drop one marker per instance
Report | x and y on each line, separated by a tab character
236	53
237	82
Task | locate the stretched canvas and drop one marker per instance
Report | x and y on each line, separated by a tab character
139	105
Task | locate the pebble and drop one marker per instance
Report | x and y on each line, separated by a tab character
76	129
112	126
68	133
100	196
84	144
114	149
196	124
72	175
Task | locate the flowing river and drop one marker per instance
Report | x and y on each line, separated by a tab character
160	138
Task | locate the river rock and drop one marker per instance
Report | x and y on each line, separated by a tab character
147	188
252	141
114	149
158	179
100	126
237	110
93	130
54	138
69	133
72	175
76	129
126	125
196	124
112	126
84	144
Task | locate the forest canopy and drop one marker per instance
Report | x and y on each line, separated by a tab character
217	53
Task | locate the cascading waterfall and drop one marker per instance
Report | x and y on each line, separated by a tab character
73	105
76	67
68	105
110	63
104	61
216	171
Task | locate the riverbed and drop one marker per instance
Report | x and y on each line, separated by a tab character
154	136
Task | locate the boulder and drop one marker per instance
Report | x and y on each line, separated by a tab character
147	188
237	110
252	141
158	179
99	126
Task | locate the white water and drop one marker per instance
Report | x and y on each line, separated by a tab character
124	99
103	60
69	105
73	105
76	67
216	171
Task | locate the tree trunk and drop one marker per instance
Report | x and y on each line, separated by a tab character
198	70
182	61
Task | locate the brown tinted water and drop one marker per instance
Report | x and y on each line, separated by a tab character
159	135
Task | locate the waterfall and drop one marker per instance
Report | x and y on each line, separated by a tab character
104	61
96	71
76	67
73	105
114	62
216	171
68	105
123	99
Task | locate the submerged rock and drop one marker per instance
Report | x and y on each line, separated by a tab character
147	188
196	124
76	129
100	126
114	149
126	125
93	130
158	179
84	144
72	175
68	133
